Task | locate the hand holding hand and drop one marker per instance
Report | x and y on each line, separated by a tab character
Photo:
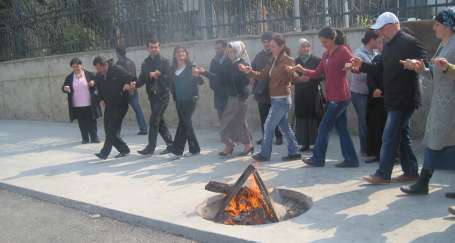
356	63
377	93
244	68
91	83
441	63
67	89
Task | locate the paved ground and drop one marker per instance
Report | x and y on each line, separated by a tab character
25	220
48	157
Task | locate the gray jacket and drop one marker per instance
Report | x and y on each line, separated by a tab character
439	132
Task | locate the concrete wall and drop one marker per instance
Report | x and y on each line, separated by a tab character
30	88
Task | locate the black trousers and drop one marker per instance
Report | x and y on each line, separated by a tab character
157	123
376	119
113	118
185	131
87	125
263	113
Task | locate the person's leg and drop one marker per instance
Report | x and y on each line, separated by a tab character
263	112
83	127
163	129
227	119
407	157
107	147
274	117
193	144
347	146
360	103
117	141
390	142
134	102
422	184
288	133
180	139
322	140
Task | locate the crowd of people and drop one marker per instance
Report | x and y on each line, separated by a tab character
381	79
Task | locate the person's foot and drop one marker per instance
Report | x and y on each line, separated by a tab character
279	141
375	180
415	189
372	160
146	151
101	156
452	210
259	142
142	133
227	151
292	157
347	164
304	149
121	155
165	151
311	163
247	151
189	154
404	178
450	195
84	141
95	140
259	158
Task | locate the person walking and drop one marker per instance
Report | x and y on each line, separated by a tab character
130	67
83	106
401	98
155	74
114	85
338	96
185	90
279	88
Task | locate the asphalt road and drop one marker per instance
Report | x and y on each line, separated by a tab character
24	220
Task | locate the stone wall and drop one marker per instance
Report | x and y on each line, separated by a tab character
30	88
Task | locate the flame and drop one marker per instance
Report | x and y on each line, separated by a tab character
248	206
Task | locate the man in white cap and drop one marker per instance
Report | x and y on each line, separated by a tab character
401	98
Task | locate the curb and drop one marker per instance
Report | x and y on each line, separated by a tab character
187	232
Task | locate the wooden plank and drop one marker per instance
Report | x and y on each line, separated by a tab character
218	187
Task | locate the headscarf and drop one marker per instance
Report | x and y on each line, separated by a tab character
447	18
240	51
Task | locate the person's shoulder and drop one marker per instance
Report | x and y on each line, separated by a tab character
69	76
286	58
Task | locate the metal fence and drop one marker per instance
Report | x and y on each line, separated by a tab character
40	28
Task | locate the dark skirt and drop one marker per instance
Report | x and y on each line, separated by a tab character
376	119
440	159
306	131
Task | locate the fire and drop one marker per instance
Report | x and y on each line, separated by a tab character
248	206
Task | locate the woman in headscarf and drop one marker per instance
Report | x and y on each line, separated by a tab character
439	137
83	103
308	99
234	126
279	81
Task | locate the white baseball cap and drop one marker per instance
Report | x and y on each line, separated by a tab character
385	19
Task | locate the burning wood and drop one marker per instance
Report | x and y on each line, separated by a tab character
247	202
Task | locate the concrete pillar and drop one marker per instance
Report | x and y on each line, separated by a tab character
346	13
326	12
297	15
203	18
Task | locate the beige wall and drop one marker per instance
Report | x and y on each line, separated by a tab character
30	88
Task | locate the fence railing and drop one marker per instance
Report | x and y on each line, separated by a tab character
40	28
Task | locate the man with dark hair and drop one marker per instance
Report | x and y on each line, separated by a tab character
114	85
260	87
155	74
129	66
218	61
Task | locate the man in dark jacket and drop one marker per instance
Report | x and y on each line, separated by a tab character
401	98
114	85
218	62
129	66
155	74
260	88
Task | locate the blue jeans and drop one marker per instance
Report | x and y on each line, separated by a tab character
134	102
335	116
360	102
278	116
396	134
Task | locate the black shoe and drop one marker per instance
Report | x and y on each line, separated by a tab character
304	149
292	157
450	195
247	152
346	164
259	142
142	133
95	140
84	141
370	161
311	163
146	151
279	141
101	156
189	154
421	186
224	154
166	151
259	158
122	154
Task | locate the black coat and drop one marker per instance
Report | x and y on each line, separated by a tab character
194	82
307	96
401	87
111	87
94	98
260	87
220	92
155	87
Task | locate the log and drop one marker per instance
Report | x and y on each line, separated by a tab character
218	187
